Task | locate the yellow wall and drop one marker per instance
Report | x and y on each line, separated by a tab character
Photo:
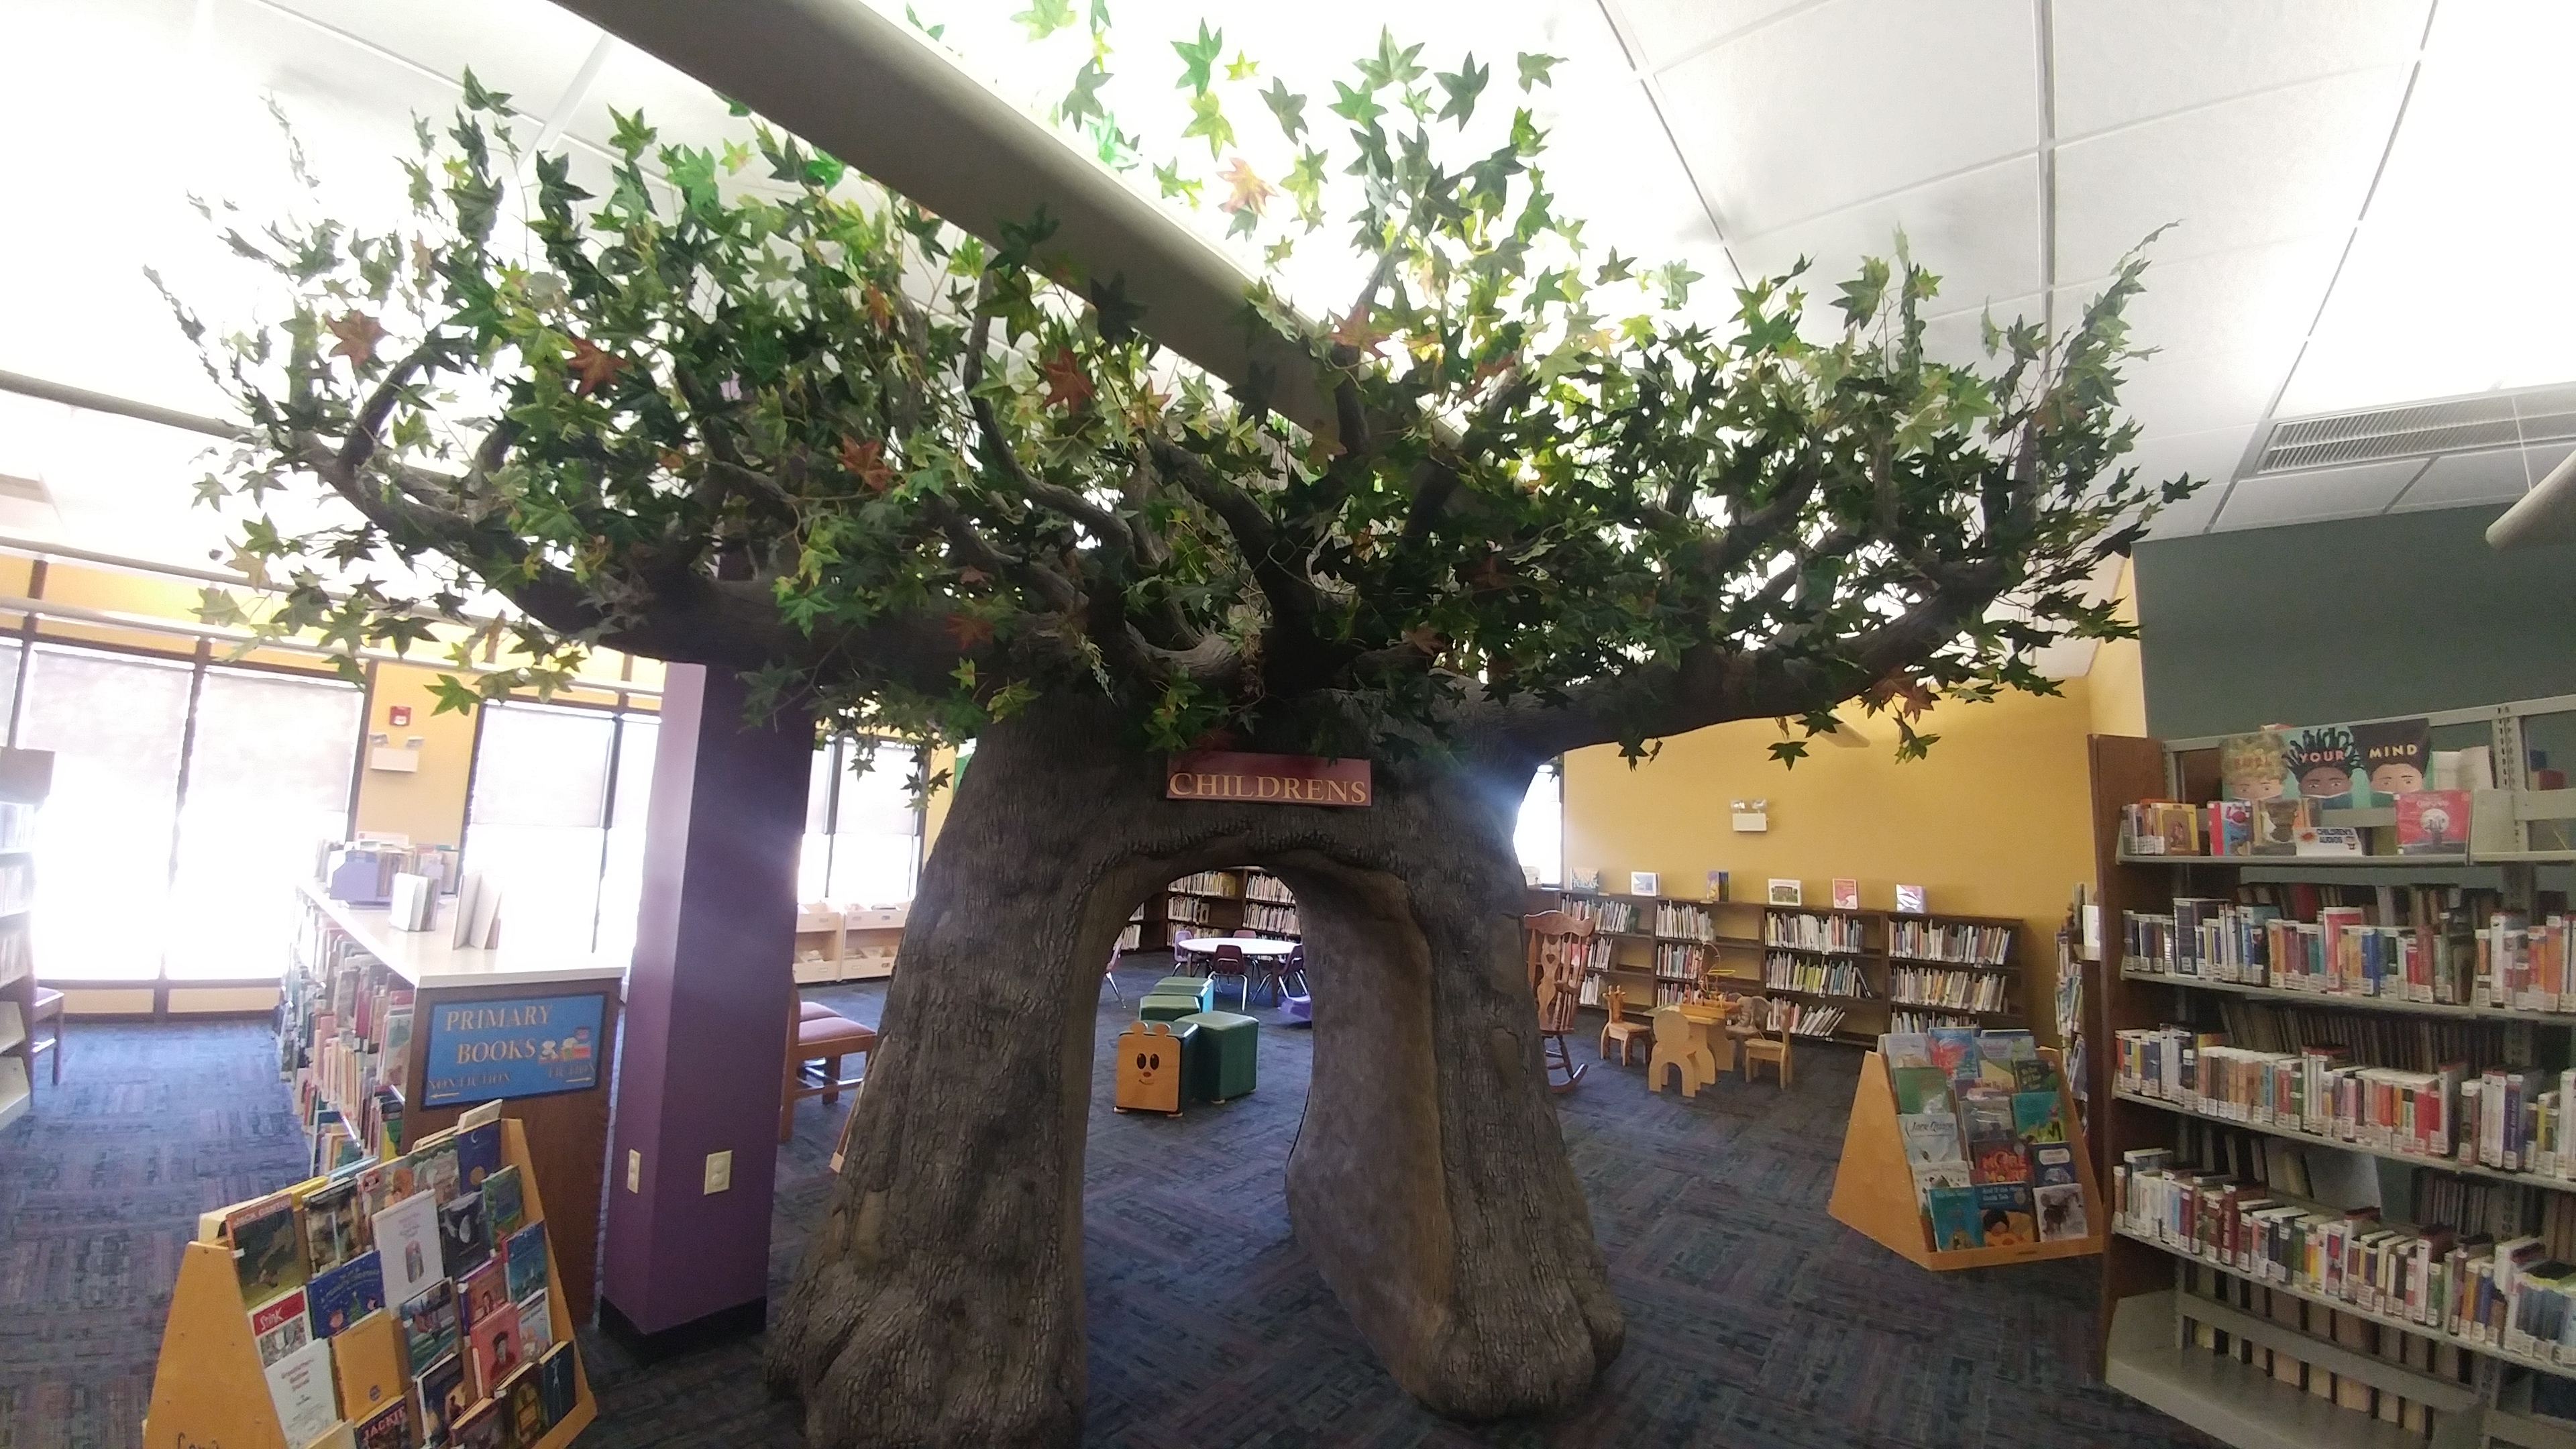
1993	823
2118	681
428	806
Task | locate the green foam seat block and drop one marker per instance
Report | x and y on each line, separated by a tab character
1220	1062
1202	987
1159	1007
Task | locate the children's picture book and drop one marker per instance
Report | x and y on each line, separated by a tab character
2433	822
2061	1213
478	1155
525	1397
493	1346
429	1325
463	1240
341	1296
299	1385
1929	1175
554	1374
536	1325
2255	766
2004	1214
501	1211
2396	755
2034	1074
483	1427
2323	761
434	1167
279	1327
2231	827
440	1393
1998	1055
1920	1089
1717	885
1909	900
482	1294
367	1364
1930	1137
1787	892
407	1242
526	1260
2052	1164
1645	883
2276	826
1902	1049
2039	1116
268	1248
1993	1160
1954	1050
390	1428
330	1215
1846	893
1954	1219
1583	880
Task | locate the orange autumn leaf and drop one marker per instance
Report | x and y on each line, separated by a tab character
358	334
1066	386
595	368
1247	188
866	461
970	631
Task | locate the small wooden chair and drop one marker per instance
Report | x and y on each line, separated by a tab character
827	1038
1620	1029
1674	1049
1772	1048
1557	944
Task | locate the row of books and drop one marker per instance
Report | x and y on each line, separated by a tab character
1674	961
2511	1297
1813	932
2497	959
1794	1017
1958	990
1209	883
466	1352
2428	822
1258	886
1189	910
1928	941
17	825
344	1042
1280	920
1133	937
1615	917
1982	1118
1678	922
2378	1039
17	885
2338	1176
1902	1020
17	955
1598	953
1826	976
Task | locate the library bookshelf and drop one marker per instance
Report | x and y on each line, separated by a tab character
1213	903
1851	961
26	777
2253	1357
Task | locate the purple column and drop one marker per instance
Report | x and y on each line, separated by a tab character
706	1019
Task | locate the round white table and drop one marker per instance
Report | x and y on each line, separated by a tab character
1248	945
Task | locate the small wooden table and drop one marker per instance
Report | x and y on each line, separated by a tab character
1248	945
1708	1032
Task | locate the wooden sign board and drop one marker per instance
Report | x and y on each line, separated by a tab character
1267	779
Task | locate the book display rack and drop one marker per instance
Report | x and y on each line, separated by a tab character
26	777
284	1333
1967	1153
1213	903
2330	1096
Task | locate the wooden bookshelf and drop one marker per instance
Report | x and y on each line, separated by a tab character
1213	903
2163	1305
26	778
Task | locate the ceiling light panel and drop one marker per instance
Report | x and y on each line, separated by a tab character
2120	62
2312	497
1831	106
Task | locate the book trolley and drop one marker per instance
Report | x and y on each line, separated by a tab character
2418	1316
1874	1191
211	1388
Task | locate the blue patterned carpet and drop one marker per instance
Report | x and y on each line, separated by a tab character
1753	1319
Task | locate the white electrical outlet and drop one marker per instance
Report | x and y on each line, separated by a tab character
719	1170
634	1170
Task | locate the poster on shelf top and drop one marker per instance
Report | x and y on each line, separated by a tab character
1644	883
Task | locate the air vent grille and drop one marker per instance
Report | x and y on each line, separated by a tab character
2420	430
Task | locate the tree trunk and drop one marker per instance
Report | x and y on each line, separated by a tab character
940	1303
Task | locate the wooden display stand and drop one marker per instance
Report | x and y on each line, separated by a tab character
1874	1186
209	1388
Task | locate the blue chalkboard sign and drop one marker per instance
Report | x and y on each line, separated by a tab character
520	1046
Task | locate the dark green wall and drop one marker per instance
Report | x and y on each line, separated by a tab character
2360	617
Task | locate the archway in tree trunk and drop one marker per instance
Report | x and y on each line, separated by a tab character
940	1302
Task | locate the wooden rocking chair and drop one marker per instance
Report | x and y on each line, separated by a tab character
1558	943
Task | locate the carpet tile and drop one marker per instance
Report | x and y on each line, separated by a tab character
1753	1319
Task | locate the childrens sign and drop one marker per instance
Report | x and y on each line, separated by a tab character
1266	779
522	1046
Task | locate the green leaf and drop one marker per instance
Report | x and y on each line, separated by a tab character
1288	107
1463	87
1242	67
1535	68
1084	99
1391	65
1360	108
1207	118
454	696
1675	278
933	31
1168	177
479	99
632	137
1198	58
1789	752
1616	269
1045	17
1118	316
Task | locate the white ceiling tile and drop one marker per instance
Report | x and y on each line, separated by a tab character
530	51
2266	168
2204	392
2259	296
1670	30
1838	104
1959	338
2209	456
2460	479
2122	61
2353	492
1979	233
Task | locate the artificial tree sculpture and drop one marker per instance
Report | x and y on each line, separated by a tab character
738	410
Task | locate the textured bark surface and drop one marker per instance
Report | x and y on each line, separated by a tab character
940	1303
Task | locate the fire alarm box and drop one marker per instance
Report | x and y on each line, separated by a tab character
399	714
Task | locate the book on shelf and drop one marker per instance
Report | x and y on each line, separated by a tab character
1961	942
1787	892
1805	931
1909	899
1846	893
